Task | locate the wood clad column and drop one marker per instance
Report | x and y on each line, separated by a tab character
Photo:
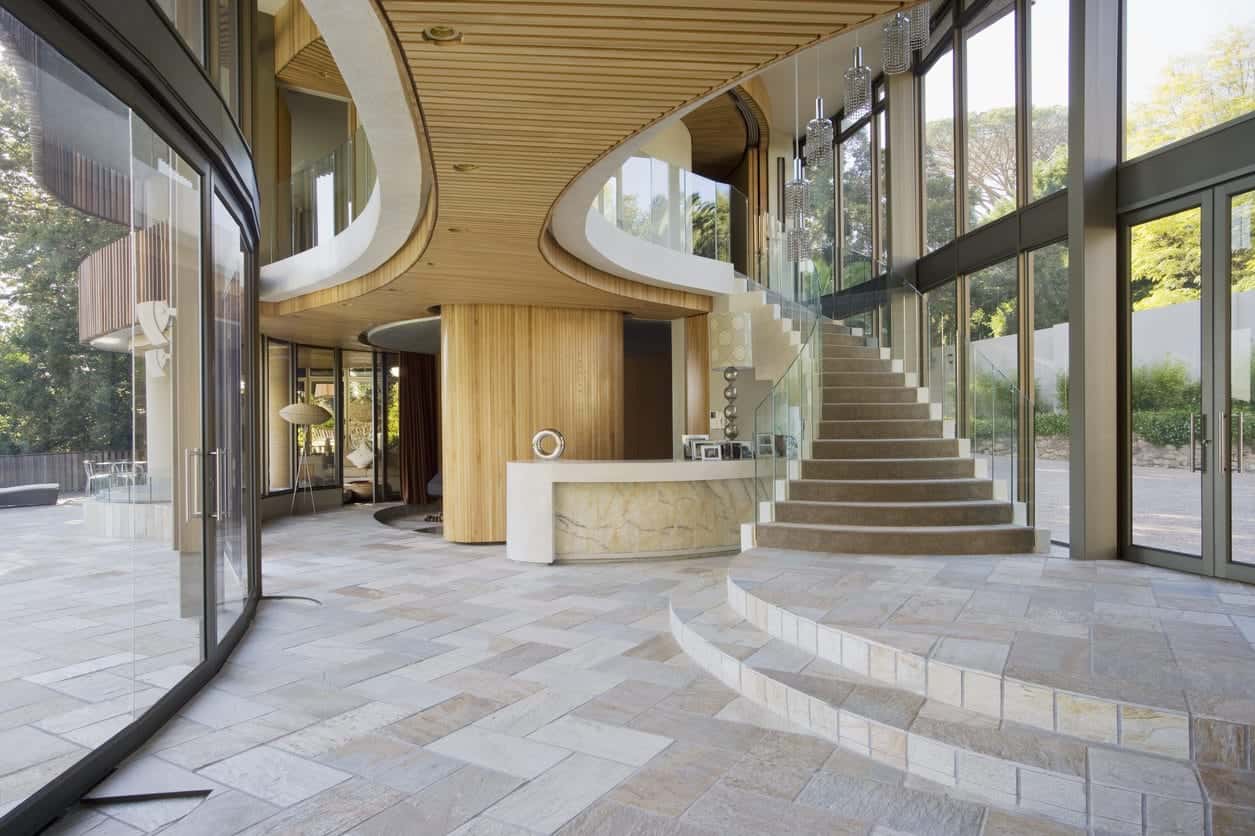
506	372
697	374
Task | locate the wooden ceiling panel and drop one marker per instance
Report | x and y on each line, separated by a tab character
533	94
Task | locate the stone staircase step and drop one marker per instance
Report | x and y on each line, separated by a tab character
890	490
922	540
1018	768
866	364
898	514
865	394
851	378
915	410
845	352
881	428
888	448
939	671
844	339
955	467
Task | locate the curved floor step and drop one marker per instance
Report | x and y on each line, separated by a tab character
903	540
1023	769
888	513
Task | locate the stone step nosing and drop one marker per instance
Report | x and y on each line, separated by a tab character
1005	783
994	695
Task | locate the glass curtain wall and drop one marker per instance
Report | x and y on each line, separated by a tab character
280	439
358	429
1051	430
1048	97
1185	73
941	308
937	107
862	194
989	140
108	446
316	384
993	377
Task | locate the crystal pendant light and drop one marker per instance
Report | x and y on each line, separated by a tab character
919	25
795	196
897	44
818	131
858	87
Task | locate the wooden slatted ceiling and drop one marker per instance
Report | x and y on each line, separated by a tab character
533	94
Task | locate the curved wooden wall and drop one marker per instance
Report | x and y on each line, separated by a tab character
506	372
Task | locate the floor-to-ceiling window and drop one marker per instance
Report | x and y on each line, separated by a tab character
1185	72
941	323
122	485
937	109
1051	430
993	378
1048	97
862	192
357	368
990	128
317	443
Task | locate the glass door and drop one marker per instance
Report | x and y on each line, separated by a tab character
1235	257
1189	314
225	463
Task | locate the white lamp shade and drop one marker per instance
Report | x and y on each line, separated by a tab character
303	414
731	340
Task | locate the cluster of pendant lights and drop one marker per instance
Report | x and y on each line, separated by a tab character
903	34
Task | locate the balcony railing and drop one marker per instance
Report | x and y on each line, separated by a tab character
323	197
666	205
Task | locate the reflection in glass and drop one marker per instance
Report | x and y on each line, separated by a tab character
280	460
938	108
1185	73
101	587
230	295
856	207
1165	392
226	23
993	369
316	383
1242	377
188	17
359	442
942	311
989	143
1048	121
1048	268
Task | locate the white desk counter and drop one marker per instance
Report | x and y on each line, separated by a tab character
616	510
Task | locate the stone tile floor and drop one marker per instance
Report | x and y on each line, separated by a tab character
441	689
91	633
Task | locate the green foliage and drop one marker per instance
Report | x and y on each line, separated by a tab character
1164	386
1052	424
56	394
1162	429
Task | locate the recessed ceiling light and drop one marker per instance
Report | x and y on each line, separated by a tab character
442	35
465	167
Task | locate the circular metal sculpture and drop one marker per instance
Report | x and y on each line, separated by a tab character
559	444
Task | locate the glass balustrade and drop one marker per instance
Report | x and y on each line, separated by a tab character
323	197
655	201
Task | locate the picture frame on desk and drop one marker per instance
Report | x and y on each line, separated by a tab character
687	442
707	451
764	444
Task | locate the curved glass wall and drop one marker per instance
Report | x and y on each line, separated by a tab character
666	205
123	417
323	197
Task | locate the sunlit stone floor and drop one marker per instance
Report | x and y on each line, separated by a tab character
443	689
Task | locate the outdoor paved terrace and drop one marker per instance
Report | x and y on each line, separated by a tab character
442	689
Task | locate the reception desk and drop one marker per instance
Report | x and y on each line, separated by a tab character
615	510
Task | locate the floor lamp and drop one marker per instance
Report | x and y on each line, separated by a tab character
304	415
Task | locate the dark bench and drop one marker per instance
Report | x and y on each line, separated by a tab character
23	496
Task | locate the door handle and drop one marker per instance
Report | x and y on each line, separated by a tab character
190	510
219	514
1199	441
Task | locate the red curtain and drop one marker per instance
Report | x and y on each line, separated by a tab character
420	426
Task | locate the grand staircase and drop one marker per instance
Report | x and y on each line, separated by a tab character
885	474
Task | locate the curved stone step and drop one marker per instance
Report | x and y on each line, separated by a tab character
938	540
933	670
889	448
1019	768
954	467
890	490
934	513
881	428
